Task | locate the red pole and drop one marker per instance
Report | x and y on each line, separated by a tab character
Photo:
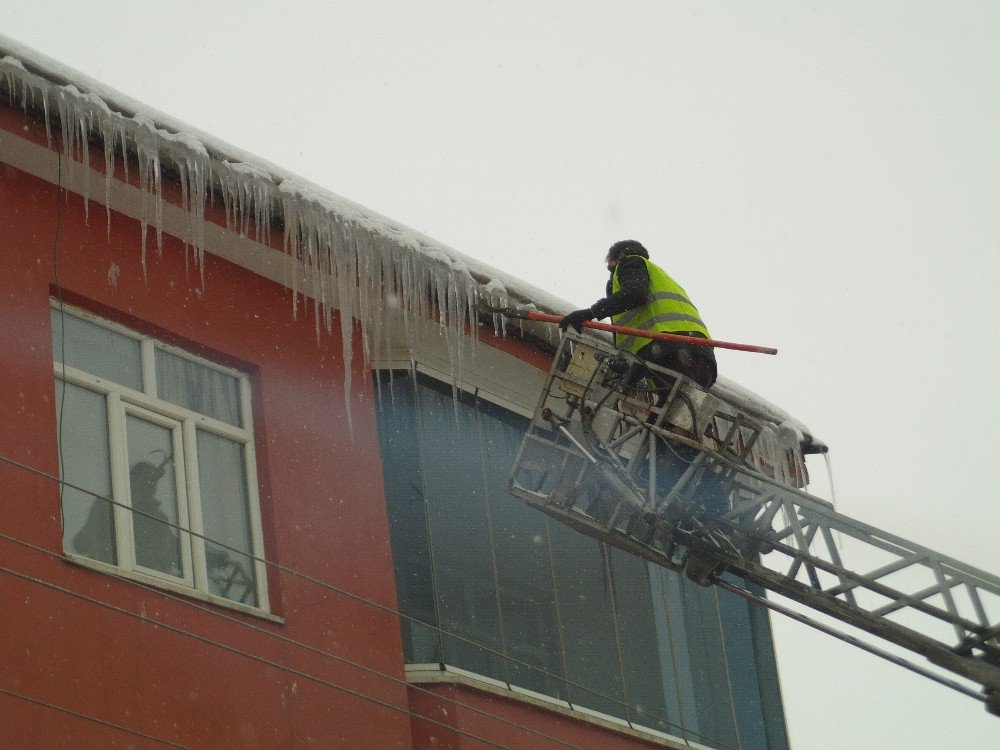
676	338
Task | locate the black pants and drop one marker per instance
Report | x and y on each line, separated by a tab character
697	363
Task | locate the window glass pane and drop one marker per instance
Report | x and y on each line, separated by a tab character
500	568
96	349
673	632
643	665
459	530
197	387
669	646
742	664
397	428
527	593
584	596
767	675
153	491
708	664
84	458
226	517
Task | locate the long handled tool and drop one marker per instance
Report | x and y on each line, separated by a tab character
514	312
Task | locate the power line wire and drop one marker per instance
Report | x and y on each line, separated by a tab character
291	641
62	483
232	649
356	597
440	631
89	717
846	638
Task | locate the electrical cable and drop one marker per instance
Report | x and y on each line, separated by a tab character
63	485
612	599
356	597
849	639
440	631
898	661
344	592
190	533
291	641
349	594
247	654
89	717
62	330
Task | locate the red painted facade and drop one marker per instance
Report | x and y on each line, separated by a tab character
95	661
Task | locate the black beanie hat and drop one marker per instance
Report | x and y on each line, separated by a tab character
626	247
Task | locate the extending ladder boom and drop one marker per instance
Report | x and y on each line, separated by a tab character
643	459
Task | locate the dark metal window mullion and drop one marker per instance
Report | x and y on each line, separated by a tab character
662	572
438	631
609	577
725	665
493	554
763	684
555	599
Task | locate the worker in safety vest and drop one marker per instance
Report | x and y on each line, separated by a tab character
640	294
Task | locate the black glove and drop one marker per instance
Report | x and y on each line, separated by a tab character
575	320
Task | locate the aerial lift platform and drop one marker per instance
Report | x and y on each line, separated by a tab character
645	460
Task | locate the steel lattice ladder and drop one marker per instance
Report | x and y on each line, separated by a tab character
645	460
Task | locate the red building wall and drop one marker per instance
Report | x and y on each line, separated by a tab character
322	505
93	661
470	713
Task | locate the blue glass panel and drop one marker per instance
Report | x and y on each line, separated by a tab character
643	663
709	673
397	427
584	595
524	574
458	519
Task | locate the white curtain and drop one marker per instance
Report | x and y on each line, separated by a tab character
193	386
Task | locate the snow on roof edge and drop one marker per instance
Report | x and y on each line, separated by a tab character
217	149
51	69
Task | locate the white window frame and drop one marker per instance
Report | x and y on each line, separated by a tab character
184	425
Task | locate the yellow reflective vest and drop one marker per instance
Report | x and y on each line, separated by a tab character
667	309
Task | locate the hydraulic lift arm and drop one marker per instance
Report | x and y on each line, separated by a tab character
643	459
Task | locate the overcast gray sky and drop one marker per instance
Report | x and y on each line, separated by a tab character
823	177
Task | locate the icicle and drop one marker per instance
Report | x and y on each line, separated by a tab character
83	124
9	64
16	76
370	274
182	178
48	118
66	130
829	476
124	140
158	203
196	173
111	132
291	244
147	153
495	294
347	278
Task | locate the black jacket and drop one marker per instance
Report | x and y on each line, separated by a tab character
633	291
633	288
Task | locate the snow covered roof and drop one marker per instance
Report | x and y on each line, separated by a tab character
334	239
94	108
